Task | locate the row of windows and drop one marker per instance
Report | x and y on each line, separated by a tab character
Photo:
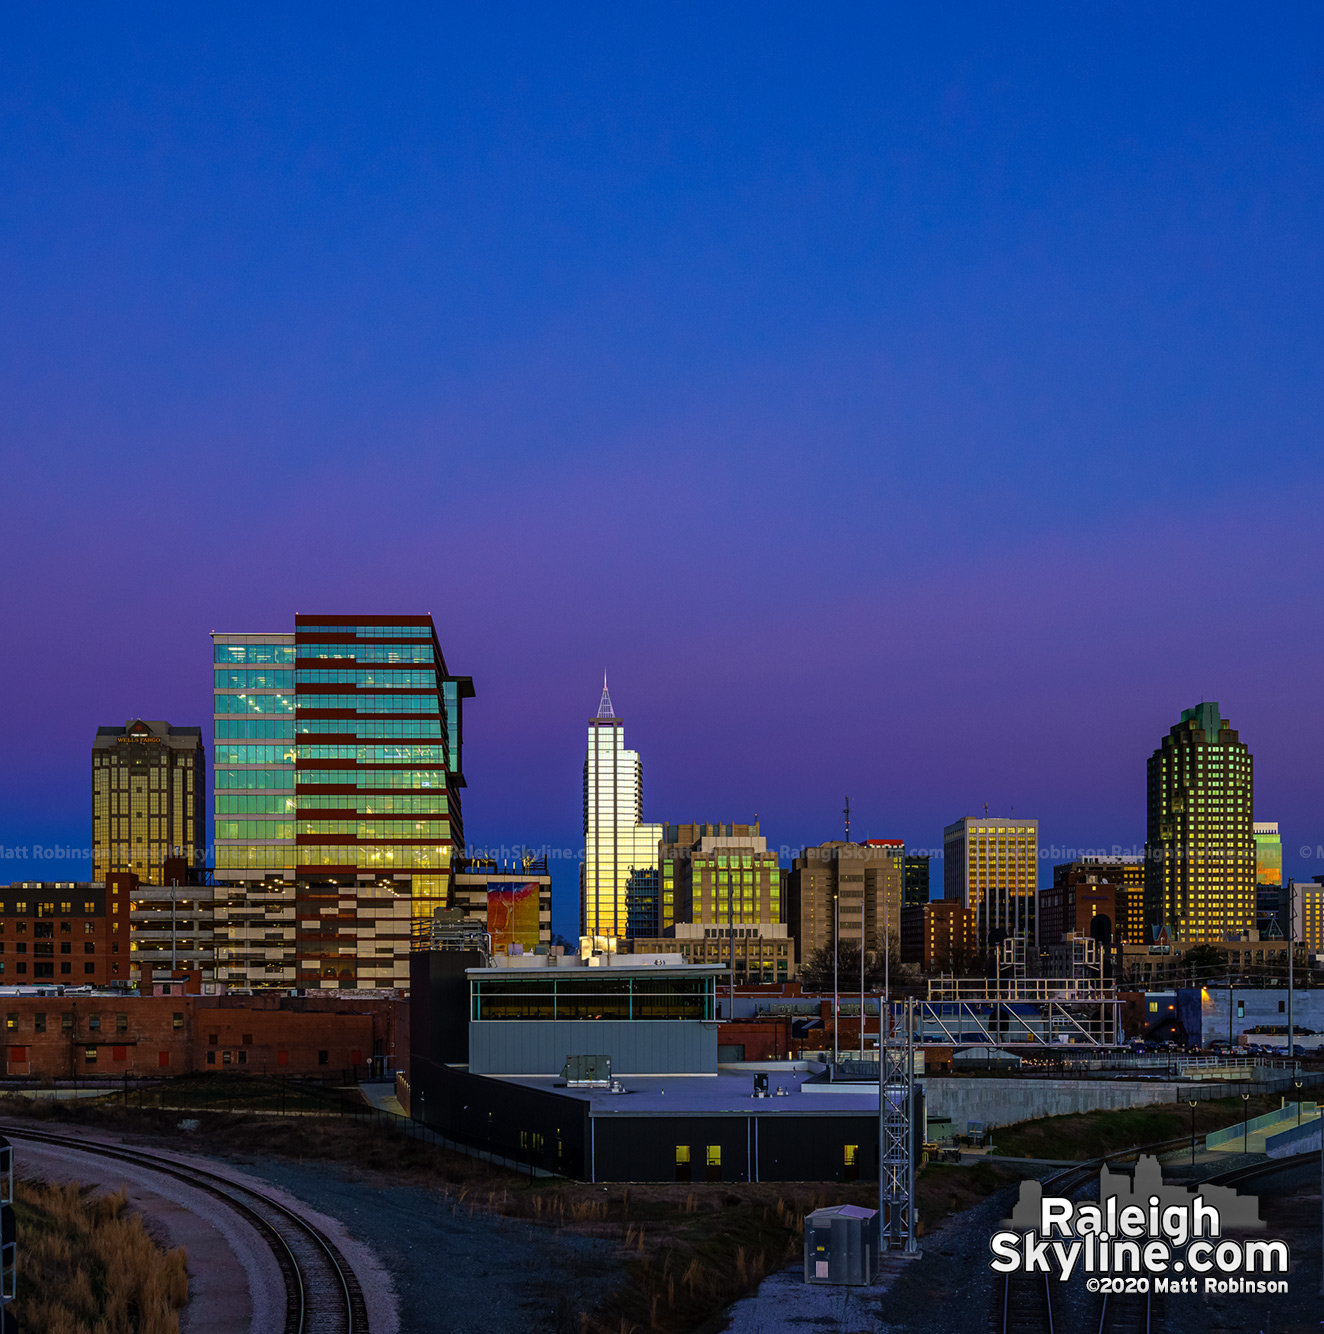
376	754
254	678
230	754
20	909
375	856
243	653
12	1021
277	779
367	631
254	729
383	676
48	969
372	828
360	727
254	829
384	778
231	858
229	702
47	948
393	703
385	653
429	803
255	803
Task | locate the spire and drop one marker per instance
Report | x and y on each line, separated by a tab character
604	707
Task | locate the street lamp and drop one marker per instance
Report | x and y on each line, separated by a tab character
1296	1084
1245	1122
1190	1102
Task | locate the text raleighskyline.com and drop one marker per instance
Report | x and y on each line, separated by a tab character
1148	1229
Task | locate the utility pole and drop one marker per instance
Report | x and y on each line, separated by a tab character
1291	951
836	1007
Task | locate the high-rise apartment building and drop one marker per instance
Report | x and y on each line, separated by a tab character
1268	853
992	866
617	842
917	879
1200	849
855	890
338	776
149	786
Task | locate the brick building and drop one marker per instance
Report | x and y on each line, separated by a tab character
938	935
72	933
100	1034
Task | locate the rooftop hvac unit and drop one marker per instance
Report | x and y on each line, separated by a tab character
586	1072
841	1245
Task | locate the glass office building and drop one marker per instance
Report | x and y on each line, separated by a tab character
338	770
617	844
1200	853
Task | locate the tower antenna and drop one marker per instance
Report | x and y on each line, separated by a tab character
846	813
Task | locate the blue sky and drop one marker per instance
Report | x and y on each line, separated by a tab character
917	405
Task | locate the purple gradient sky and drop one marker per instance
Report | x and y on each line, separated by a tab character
926	408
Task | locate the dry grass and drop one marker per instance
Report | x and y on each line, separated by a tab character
688	1250
1086	1135
87	1265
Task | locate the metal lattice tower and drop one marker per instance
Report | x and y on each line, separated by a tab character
896	1138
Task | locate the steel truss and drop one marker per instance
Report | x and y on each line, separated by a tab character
1020	1012
896	1138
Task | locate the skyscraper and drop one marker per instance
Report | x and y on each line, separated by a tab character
1268	853
992	866
340	748
1200	849
856	890
616	841
149	785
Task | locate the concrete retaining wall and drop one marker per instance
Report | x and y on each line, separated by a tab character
1003	1102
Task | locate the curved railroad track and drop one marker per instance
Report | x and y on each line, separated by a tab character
1025	1301
322	1292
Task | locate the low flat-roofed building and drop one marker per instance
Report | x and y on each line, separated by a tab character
648	1013
764	951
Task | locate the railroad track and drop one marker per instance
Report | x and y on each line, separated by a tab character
1130	1313
1025	1301
1254	1170
1027	1304
322	1292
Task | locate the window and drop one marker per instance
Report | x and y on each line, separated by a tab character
211	1058
247	1039
178	1021
682	1162
64	968
39	1022
851	1162
225	1058
241	1056
11	1021
89	909
66	947
94	1022
323	1057
713	1162
1282	1006
90	1055
89	968
67	1021
121	1023
89	948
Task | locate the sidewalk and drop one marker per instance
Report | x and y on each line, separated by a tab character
381	1095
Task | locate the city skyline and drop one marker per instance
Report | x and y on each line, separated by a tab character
621	319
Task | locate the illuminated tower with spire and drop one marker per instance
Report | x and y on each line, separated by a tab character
616	841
